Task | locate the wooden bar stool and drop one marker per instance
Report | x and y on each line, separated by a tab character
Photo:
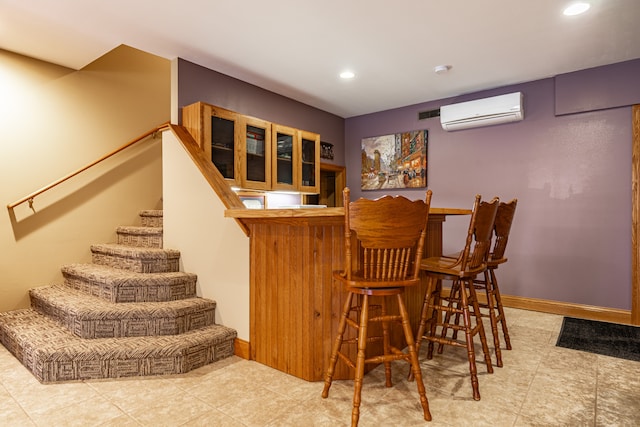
384	241
462	301
501	229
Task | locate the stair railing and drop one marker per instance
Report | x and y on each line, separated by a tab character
30	198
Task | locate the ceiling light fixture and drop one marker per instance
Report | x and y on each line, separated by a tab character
576	8
442	69
347	75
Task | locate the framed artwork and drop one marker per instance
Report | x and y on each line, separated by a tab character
326	150
395	161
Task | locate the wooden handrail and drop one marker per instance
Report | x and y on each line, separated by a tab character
31	196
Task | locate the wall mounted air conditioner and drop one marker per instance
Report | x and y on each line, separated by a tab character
482	112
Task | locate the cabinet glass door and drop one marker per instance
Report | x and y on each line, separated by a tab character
257	144
223	145
284	155
309	162
255	154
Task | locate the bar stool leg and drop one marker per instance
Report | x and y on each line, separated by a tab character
362	346
424	313
413	354
435	315
492	317
471	354
502	318
473	299
386	343
342	326
433	292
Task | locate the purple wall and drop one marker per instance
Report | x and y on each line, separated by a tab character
571	239
598	88
197	83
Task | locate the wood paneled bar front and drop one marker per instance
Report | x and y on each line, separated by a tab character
294	302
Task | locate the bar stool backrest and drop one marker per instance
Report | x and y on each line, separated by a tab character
502	228
389	233
479	234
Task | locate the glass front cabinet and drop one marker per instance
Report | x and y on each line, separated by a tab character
251	153
285	141
222	146
309	162
254	152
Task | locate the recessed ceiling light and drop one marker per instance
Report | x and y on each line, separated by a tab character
442	69
347	75
576	8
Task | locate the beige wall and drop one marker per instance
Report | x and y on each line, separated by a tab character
54	120
211	246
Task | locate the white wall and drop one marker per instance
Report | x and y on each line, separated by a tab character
211	246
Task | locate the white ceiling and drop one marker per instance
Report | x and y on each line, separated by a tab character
298	47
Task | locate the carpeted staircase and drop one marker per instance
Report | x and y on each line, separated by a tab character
129	313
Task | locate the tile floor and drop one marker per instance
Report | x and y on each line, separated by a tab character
539	385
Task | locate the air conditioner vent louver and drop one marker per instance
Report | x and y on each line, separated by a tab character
428	114
482	112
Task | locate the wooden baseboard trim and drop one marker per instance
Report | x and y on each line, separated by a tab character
590	312
568	309
241	348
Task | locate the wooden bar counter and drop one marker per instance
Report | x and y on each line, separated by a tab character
294	302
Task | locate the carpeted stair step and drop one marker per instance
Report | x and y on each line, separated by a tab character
142	237
120	286
87	316
53	354
141	260
151	218
130	313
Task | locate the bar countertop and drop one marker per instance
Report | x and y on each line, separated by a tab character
316	212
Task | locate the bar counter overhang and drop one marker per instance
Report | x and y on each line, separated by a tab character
294	302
